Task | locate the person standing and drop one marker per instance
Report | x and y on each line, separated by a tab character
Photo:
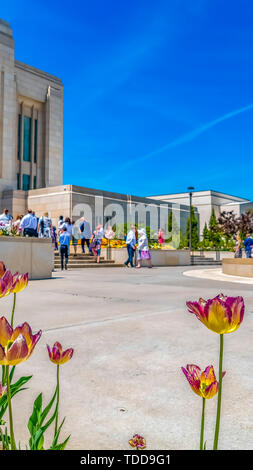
130	243
97	237
16	224
248	244
238	247
45	226
5	217
68	224
60	224
85	234
64	241
161	237
143	249
29	224
54	238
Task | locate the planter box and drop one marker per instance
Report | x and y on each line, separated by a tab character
28	254
158	257
238	267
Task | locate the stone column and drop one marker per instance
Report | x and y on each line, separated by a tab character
1	120
54	136
21	146
8	110
32	149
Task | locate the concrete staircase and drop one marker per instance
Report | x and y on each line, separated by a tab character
198	260
84	261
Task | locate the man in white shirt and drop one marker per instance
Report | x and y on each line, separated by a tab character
29	224
5	217
131	242
60	224
85	234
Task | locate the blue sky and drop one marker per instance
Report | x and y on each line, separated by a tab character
142	81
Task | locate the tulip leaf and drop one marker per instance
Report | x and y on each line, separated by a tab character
36	420
50	421
48	407
12	373
15	388
56	437
61	446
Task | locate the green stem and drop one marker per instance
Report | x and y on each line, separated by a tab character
202	424
217	427
13	309
3	375
57	398
13	445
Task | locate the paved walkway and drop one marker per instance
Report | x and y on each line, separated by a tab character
131	333
217	275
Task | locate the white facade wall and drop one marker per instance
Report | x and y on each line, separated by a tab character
206	201
28	92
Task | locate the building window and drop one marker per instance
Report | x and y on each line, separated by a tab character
34	182
18	181
35	139
19	136
27	139
26	182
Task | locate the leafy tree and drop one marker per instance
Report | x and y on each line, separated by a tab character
228	223
205	233
194	231
245	223
214	234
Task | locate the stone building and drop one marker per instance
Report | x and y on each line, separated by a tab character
31	158
206	201
31	127
109	209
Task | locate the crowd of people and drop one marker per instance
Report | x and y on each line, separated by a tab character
67	231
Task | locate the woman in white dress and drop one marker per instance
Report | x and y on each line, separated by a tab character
143	249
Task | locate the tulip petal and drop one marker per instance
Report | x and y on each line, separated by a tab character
18	352
66	355
218	315
196	308
20	282
2	356
2	268
211	390
236	305
193	378
5	332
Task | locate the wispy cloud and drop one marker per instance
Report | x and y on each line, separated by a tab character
176	142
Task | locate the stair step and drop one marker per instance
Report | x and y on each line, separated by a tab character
95	265
200	263
79	261
81	257
76	265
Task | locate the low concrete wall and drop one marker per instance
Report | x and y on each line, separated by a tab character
25	254
158	257
213	254
238	267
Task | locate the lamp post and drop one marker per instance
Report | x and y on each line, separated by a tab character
190	189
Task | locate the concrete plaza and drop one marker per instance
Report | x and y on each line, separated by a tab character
132	333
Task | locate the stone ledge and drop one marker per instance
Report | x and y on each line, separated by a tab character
238	267
11	239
